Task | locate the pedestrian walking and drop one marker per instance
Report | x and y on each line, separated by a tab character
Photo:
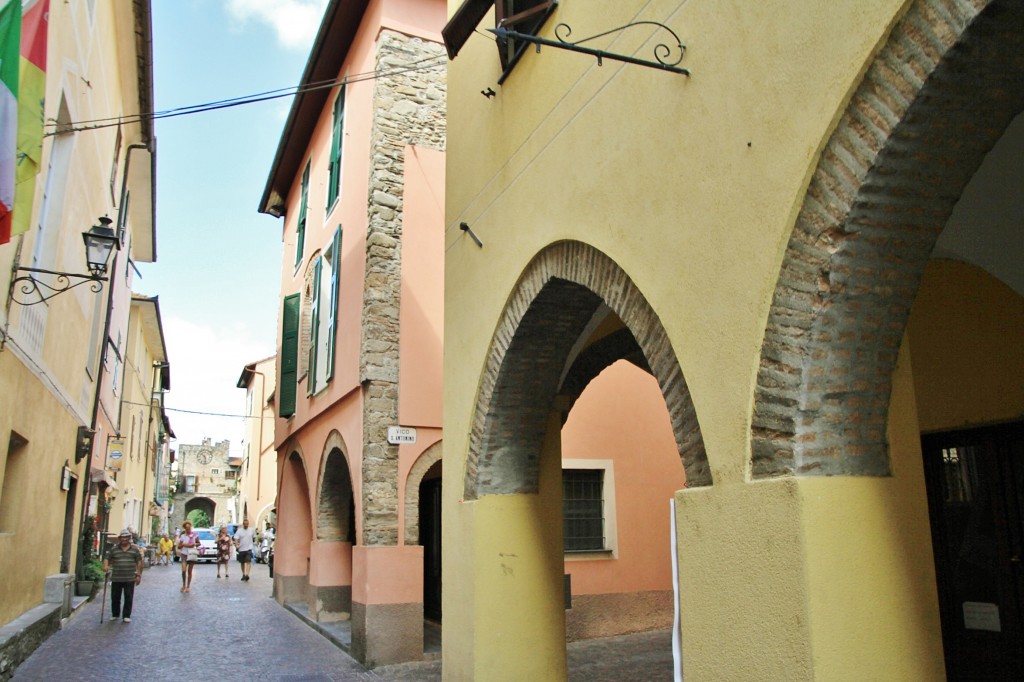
223	551
243	541
188	549
124	561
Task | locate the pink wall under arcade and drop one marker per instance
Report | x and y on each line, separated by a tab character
622	416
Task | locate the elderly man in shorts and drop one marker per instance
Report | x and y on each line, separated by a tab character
243	543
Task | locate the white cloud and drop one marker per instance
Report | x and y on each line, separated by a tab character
294	21
205	366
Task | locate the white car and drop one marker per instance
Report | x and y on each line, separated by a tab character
207	544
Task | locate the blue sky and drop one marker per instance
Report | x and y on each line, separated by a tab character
218	260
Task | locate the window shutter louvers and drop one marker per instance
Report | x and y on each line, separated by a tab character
314	327
289	355
332	310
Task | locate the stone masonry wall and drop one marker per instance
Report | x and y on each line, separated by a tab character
408	109
934	102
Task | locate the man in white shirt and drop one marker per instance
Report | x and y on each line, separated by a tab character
243	543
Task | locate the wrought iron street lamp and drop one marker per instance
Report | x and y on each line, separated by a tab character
100	242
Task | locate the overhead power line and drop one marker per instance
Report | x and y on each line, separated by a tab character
97	123
200	412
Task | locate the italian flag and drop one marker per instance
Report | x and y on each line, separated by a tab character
23	25
10	43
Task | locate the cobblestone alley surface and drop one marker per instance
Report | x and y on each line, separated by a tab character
226	630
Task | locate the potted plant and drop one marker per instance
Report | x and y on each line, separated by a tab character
92	574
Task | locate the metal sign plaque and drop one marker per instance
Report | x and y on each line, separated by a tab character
401	435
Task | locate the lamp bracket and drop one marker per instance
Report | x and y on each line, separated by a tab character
29	290
662	52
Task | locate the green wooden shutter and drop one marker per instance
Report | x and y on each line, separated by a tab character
300	230
332	305
334	165
289	355
314	327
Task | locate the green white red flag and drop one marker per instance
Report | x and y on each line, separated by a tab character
10	42
31	109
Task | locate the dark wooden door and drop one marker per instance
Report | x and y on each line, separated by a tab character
975	482
430	538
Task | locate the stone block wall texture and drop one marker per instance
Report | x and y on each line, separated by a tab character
23	635
408	109
934	102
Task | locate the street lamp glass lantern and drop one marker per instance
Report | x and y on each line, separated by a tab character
100	241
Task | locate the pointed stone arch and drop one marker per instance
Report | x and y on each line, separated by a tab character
427	459
555	301
935	100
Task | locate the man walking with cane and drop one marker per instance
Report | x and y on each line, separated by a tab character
124	561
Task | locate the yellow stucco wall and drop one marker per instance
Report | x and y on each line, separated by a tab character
46	392
966	332
30	539
691	185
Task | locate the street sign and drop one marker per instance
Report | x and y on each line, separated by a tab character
399	435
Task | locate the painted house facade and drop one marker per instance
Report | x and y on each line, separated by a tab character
62	360
257	492
358	181
812	244
144	432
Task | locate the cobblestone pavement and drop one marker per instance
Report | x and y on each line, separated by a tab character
225	630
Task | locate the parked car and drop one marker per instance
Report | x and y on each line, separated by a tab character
207	544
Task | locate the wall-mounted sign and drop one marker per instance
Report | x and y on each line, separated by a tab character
981	616
65	478
400	435
115	454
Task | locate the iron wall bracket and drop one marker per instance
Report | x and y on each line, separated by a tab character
662	52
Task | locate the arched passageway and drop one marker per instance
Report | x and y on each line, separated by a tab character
934	102
295	533
331	570
573	313
902	277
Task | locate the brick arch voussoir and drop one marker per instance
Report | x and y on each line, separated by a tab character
935	100
334	491
427	459
554	299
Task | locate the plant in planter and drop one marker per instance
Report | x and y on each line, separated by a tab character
92	575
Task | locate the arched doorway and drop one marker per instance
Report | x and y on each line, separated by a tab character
335	536
572	313
202	504
295	533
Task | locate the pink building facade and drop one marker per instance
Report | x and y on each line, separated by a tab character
359	183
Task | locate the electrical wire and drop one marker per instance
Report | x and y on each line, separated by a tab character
199	412
98	123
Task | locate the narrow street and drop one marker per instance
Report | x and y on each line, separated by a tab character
228	630
223	629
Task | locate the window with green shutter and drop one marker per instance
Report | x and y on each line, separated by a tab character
314	326
324	315
332	311
337	141
289	355
300	229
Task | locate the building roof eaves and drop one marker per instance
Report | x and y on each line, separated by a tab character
333	40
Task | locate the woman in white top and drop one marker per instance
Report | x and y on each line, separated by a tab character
188	550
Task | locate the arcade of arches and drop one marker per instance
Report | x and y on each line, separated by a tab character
832	377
